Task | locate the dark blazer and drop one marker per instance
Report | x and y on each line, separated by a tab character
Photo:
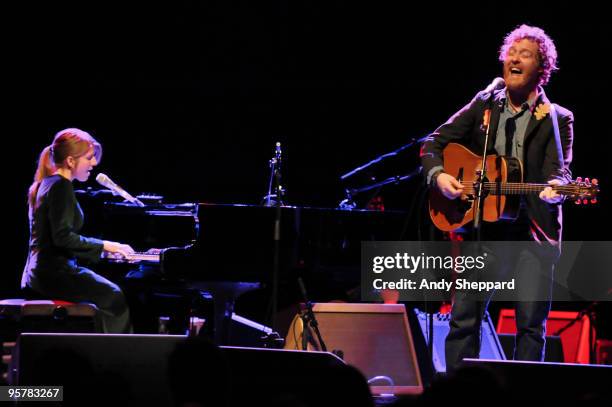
546	157
55	243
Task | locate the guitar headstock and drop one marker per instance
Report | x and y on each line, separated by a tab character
584	192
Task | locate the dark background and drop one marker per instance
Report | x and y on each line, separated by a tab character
189	98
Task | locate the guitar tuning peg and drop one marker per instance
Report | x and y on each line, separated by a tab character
585	201
586	180
594	200
578	202
595	181
578	179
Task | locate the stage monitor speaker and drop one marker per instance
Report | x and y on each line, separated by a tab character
104	369
490	348
97	368
375	338
546	383
575	339
265	376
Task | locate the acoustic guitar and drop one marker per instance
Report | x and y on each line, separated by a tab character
502	188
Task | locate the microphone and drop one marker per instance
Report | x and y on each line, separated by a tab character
105	181
497	83
278	151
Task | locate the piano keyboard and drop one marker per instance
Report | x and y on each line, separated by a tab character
134	258
148	257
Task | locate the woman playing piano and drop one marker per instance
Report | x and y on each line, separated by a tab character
56	248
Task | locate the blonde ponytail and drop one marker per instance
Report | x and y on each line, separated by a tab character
44	169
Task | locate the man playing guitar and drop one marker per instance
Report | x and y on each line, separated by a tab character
524	125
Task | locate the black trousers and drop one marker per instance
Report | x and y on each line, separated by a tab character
533	269
83	285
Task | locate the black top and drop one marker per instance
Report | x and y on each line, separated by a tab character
55	243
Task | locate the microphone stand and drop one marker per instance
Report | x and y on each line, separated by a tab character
275	179
393	153
348	203
391	180
479	187
481	175
309	319
275	188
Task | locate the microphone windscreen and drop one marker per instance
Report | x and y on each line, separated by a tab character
497	83
103	180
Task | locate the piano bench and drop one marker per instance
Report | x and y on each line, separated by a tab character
24	315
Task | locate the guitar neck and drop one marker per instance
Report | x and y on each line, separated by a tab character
519	188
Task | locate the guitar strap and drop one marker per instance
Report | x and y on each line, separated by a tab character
555	123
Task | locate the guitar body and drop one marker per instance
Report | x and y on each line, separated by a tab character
449	215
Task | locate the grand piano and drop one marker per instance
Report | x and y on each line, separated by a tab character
226	250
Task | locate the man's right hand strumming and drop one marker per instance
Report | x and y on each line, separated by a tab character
449	186
117	249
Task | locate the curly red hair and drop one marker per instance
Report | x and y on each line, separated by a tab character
547	53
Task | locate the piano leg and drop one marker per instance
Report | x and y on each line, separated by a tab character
224	295
224	308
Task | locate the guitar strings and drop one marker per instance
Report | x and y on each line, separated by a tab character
514	187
